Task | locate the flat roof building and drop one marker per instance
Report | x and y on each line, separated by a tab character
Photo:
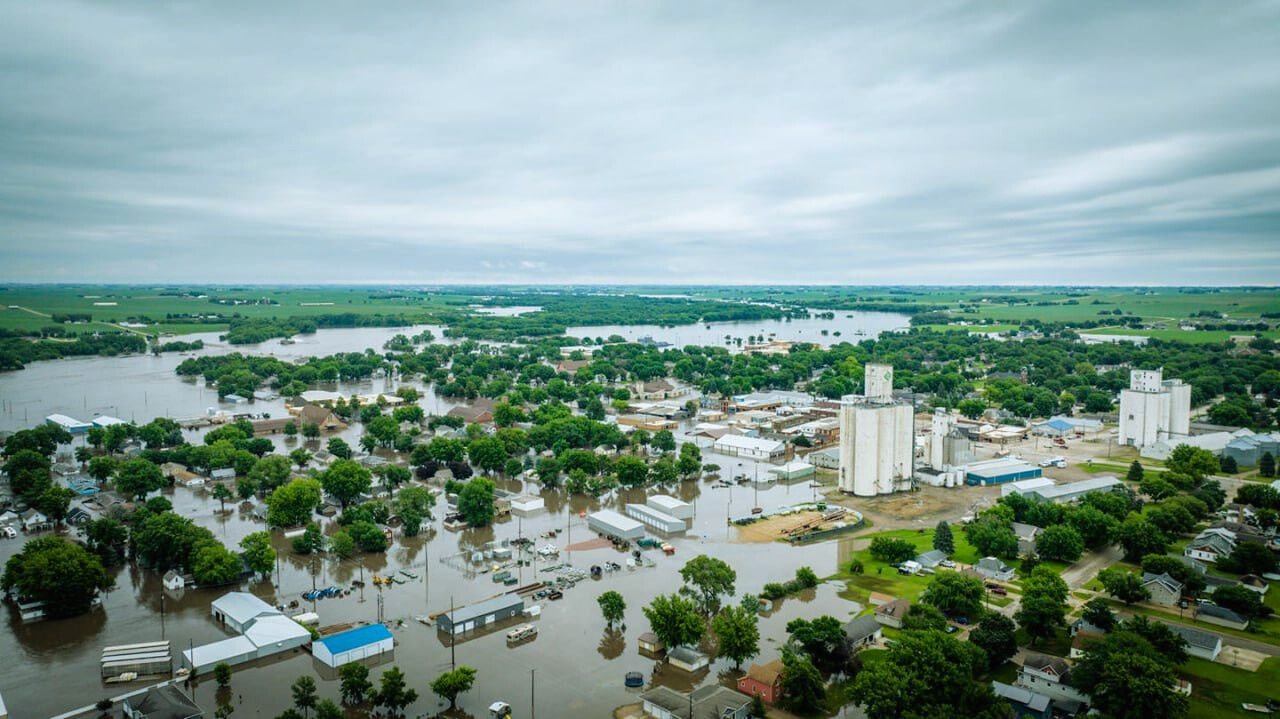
612	524
998	471
353	645
656	519
481	614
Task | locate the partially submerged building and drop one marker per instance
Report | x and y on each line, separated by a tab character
353	645
612	524
481	614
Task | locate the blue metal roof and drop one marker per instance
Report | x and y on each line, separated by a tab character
352	638
1060	424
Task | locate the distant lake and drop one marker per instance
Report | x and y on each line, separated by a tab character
845	326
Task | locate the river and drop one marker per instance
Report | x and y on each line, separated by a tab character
843	327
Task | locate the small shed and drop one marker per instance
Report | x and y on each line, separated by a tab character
353	645
687	658
650	644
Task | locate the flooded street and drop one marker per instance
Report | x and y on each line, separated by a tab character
579	665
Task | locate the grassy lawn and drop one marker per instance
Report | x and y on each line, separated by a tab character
1059	645
881	577
1218	690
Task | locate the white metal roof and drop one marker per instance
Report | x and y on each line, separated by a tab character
206	654
275	629
240	607
740	442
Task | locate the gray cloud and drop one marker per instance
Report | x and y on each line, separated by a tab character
640	142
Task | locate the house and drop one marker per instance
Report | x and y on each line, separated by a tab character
571	366
862	631
709	702
993	568
1080	625
649	644
353	645
763	680
322	417
1026	704
78	515
1221	616
165	701
1027	534
238	610
1254	582
478	412
1080	641
1199	643
892	613
689	659
1164	589
931	558
223	474
656	389
1211	545
173	580
1051	676
33	520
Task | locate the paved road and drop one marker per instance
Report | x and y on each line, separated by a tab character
1079	574
1229	640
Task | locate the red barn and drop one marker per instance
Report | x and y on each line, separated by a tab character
763	679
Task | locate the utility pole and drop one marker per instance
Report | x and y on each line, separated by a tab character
453	634
533	703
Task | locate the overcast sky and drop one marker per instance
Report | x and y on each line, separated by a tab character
725	142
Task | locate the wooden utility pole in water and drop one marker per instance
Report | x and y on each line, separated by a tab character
533	702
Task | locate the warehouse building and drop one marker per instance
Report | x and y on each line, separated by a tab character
481	614
998	471
670	505
736	445
656	519
71	424
1062	493
612	524
353	645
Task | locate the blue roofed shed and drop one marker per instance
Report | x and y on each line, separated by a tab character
353	645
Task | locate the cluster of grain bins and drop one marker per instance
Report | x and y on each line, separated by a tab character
662	513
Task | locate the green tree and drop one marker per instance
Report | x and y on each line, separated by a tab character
355	684
222	493
664	441
345	480
707	578
1135	472
55	502
891	550
367	536
1242	600
803	690
1249	558
311	430
138	478
270	472
58	572
212	564
1098	613
926	674
631	471
738	634
612	606
996	635
1192	461
943	541
294	503
394	693
100	468
1097	529
222	674
690	461
454	682
1267	465
341	544
1043	609
258	552
304	694
1060	543
1127	678
326	709
955	594
1140	537
920	617
339	448
675	620
993	537
476	502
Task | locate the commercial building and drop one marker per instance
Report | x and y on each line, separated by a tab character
1063	493
998	471
754	447
264	631
480	614
611	524
655	519
1153	408
353	645
670	505
793	470
238	610
1248	450
877	446
71	424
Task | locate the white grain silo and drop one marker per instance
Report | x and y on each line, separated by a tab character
877	442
